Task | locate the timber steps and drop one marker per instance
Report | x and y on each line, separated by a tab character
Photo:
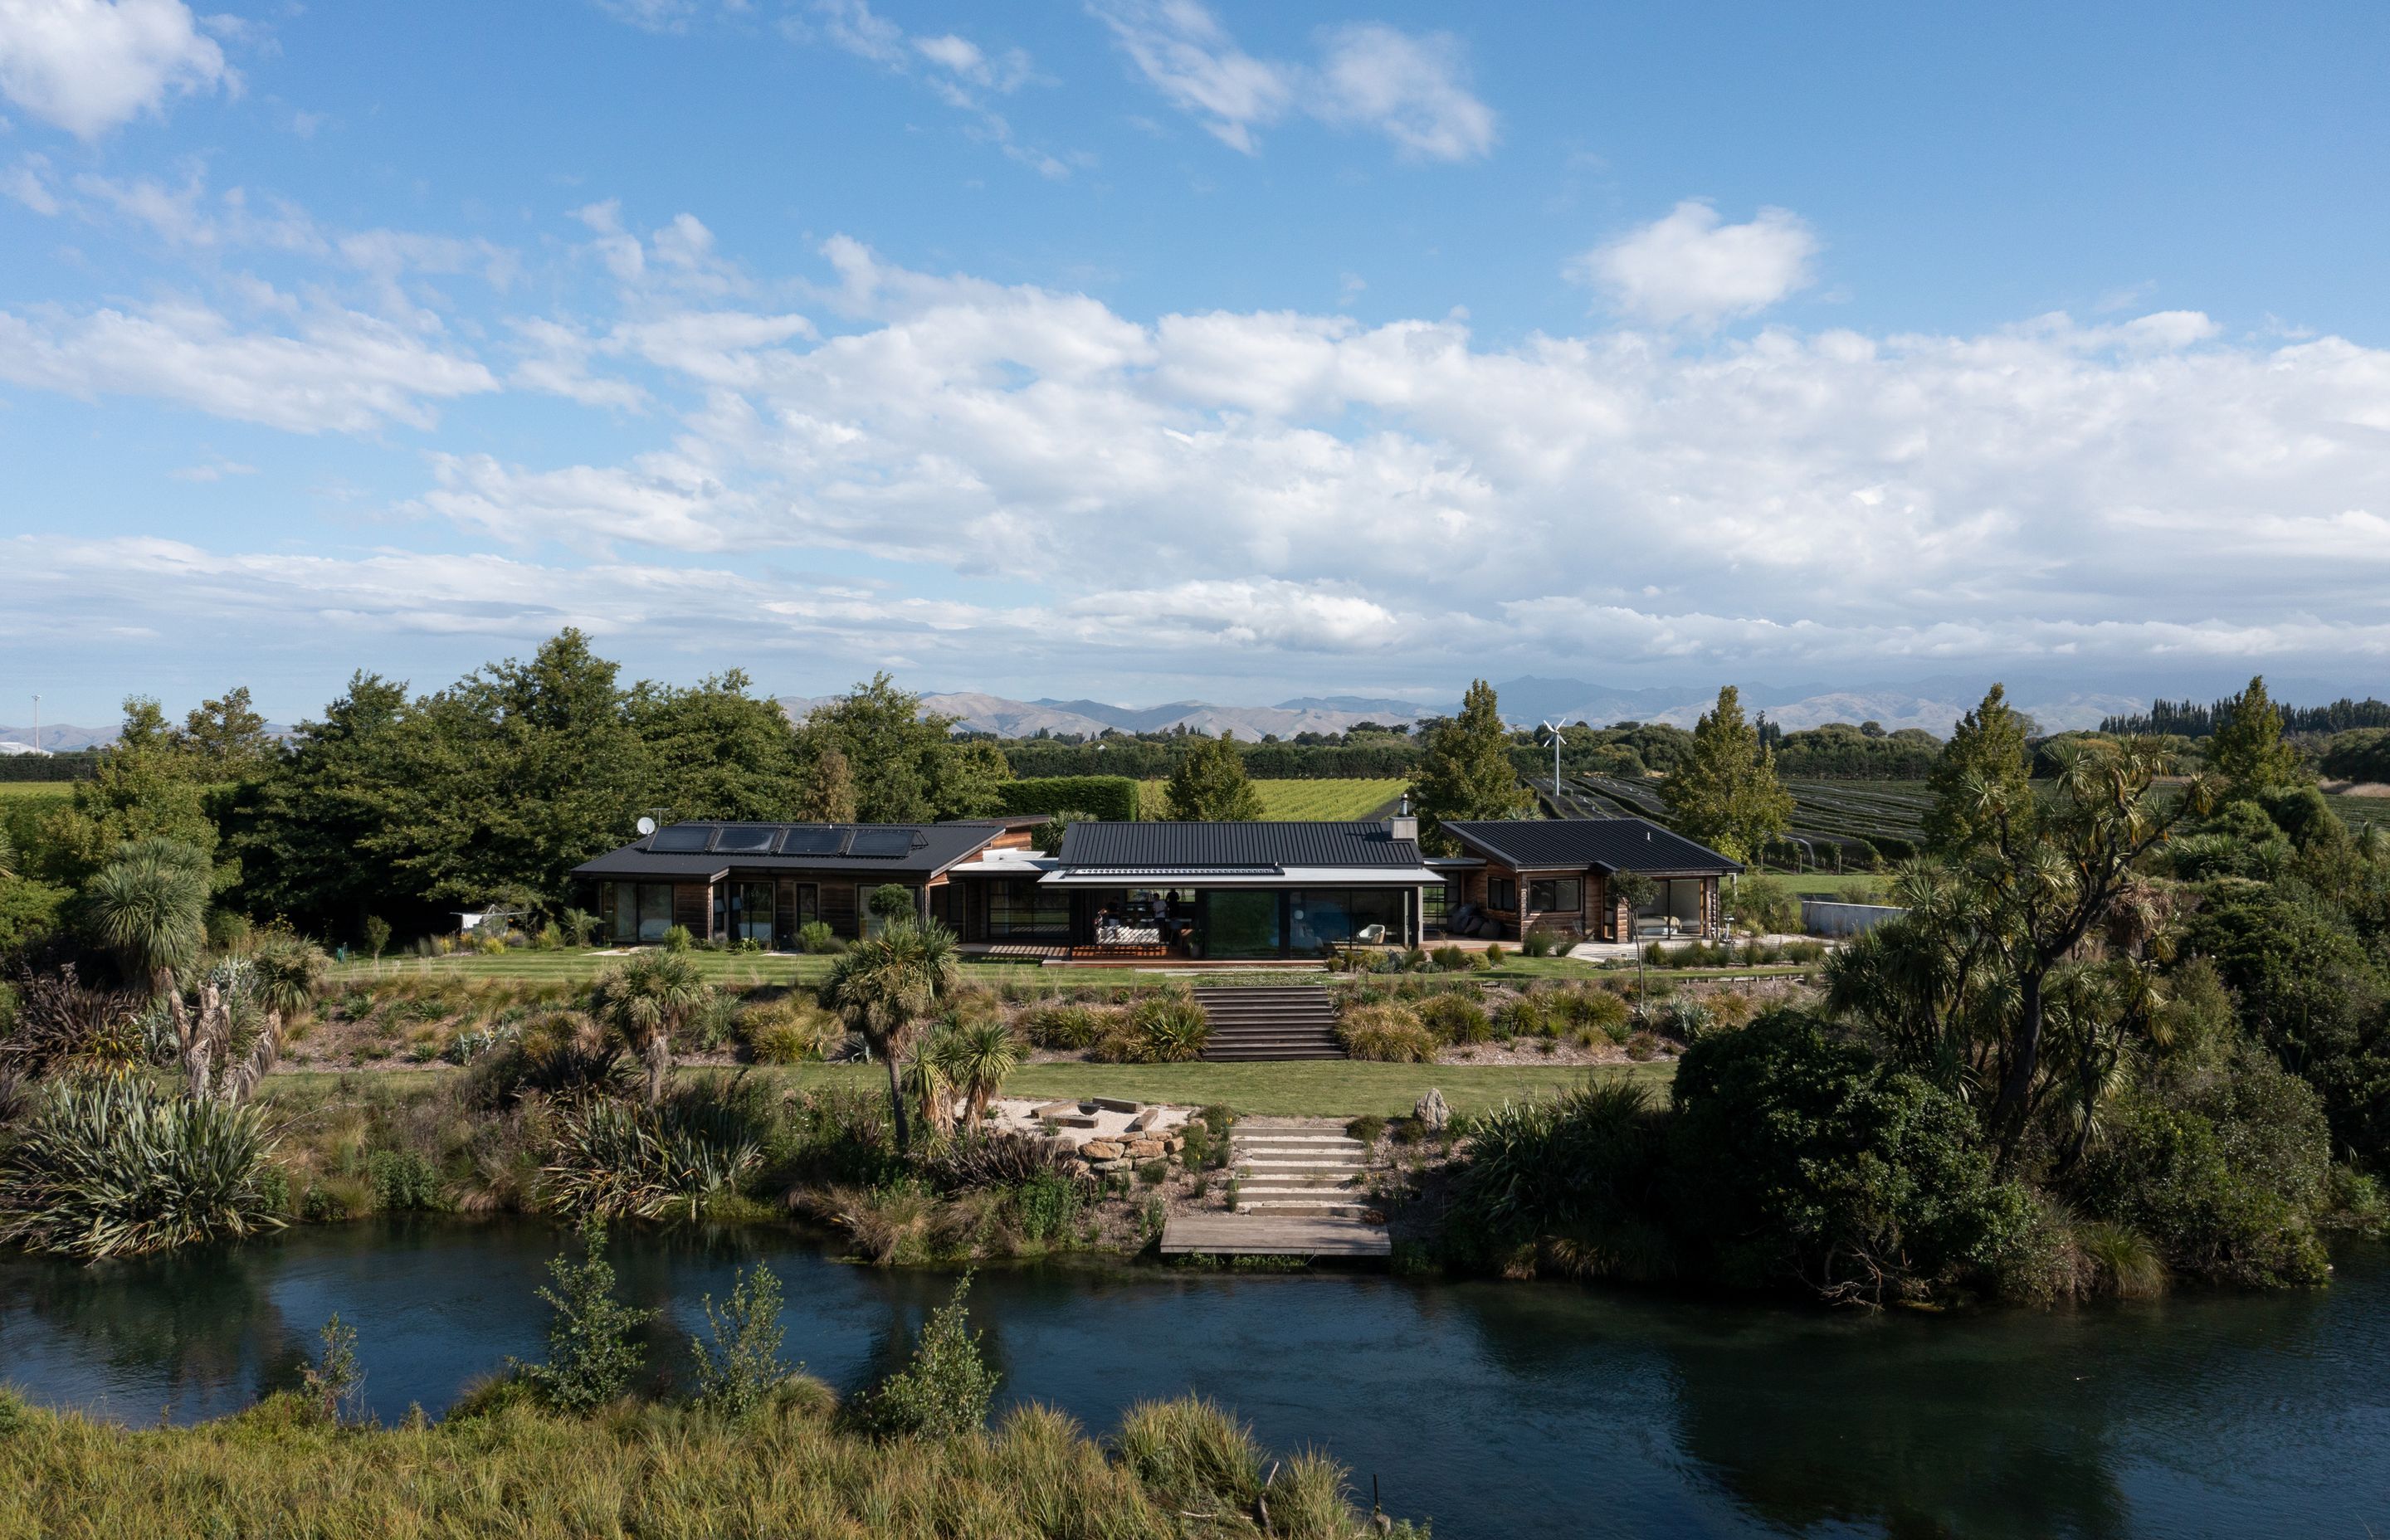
1236	1235
1291	1168
1258	1023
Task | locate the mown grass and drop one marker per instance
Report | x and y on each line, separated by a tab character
1301	1089
647	1471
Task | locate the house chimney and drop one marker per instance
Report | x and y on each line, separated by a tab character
1404	825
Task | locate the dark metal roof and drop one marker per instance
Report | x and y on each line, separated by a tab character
1230	848
1613	844
921	850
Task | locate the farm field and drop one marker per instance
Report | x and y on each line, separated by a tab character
1888	815
61	790
1287	801
2358	812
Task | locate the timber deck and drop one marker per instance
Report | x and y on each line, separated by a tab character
1252	1234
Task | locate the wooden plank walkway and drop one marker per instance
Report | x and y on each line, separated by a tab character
1250	1235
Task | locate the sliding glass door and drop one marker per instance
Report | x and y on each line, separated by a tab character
1240	924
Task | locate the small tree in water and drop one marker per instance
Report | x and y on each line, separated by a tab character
741	1368
592	1352
944	1390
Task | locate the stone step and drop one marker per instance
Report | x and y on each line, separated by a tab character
1292	1206
1313	1141
1291	1189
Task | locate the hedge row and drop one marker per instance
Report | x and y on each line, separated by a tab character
1114	798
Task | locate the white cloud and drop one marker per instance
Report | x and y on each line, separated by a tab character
88	66
1687	268
1412	88
340	371
213	471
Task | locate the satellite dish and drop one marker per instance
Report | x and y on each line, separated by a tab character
646	826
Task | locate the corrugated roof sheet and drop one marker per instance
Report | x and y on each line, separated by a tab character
1185	847
926	848
1613	844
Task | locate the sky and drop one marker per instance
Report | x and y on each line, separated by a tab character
1150	349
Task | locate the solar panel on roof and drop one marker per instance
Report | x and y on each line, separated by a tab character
881	843
682	838
747	839
811	840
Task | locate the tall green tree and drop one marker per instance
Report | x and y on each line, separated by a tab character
718	750
902	763
225	738
1466	772
298	830
1985	763
1208	785
2248	750
1725	793
141	788
514	776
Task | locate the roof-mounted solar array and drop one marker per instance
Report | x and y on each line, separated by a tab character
682	838
881	843
812	839
747	838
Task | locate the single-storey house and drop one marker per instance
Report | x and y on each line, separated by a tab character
1198	892
1555	873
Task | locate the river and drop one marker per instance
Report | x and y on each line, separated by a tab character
1494	1409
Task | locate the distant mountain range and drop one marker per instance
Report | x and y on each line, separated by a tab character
57	736
1006	718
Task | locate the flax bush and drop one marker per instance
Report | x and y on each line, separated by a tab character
117	1167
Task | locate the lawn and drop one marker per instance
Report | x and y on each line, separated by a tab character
1321	1089
61	790
1287	801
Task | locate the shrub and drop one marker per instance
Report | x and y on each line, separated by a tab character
377	936
974	1162
615	1161
943	1391
1453	958
403	1181
1165	1028
1455	1018
1047	1204
2129	1266
122	1166
1063	1027
1522	1017
1386	1033
1367	1128
816	937
592	1347
1766	905
677	939
1192	1455
1491	957
1536	943
556	1053
743	1365
335	1382
1575	1177
791	1029
1804	1156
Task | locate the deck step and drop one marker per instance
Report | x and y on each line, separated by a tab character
1253	1023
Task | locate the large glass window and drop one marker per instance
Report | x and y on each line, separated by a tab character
1674	898
1556	892
750	912
1321	917
1024	906
1502	892
654	909
1240	924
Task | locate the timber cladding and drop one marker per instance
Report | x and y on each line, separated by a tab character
692	907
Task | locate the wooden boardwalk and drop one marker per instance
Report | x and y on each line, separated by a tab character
1253	1235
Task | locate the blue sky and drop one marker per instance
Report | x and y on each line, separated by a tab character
1144	350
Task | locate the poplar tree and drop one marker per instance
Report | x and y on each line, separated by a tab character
1466	773
1725	793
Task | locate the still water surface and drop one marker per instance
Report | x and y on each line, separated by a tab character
1495	1409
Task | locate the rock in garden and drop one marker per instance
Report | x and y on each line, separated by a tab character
1075	1120
1101	1149
1055	1110
1146	1149
1145	1119
1433	1112
1109	1104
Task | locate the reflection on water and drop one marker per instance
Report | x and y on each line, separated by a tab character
1498	1409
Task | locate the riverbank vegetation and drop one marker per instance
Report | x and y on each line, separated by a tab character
584	1444
2127	1029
